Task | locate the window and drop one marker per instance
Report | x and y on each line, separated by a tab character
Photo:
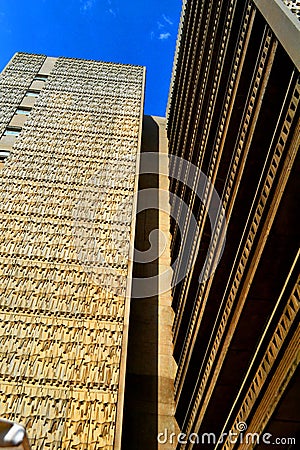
12	131
24	111
41	78
3	155
32	93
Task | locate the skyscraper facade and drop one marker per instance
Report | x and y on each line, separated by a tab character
234	116
69	147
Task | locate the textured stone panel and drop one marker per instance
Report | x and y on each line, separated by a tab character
66	211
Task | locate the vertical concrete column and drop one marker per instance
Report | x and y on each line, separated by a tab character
149	390
166	363
48	65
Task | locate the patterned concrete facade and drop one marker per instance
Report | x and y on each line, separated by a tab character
72	130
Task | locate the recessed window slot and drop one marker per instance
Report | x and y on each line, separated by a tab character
12	131
41	78
32	94
3	155
23	111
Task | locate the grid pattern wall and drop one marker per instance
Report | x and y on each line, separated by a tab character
67	205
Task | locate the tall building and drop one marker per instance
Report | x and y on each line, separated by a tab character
70	142
234	116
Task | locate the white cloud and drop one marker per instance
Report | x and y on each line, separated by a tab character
112	9
167	19
162	26
164	36
87	4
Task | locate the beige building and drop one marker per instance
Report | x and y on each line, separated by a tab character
70	142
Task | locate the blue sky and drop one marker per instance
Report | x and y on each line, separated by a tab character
133	31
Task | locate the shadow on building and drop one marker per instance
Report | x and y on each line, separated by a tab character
141	392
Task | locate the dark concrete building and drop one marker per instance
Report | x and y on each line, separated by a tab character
234	114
